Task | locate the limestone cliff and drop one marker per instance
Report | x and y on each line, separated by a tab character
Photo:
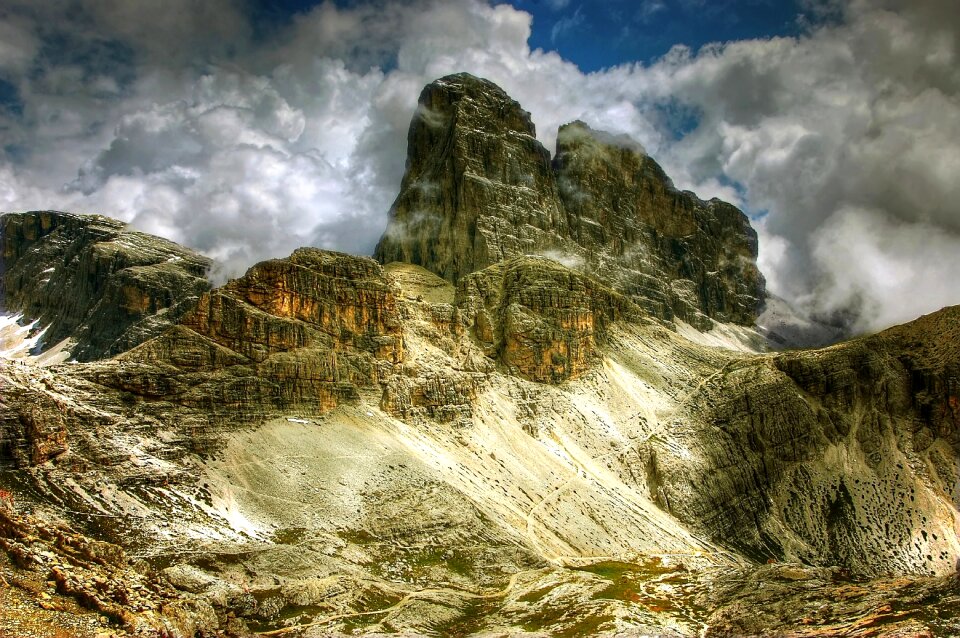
681	256
479	188
330	443
89	279
846	455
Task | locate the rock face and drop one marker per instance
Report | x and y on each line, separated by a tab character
303	332
842	456
479	188
88	279
679	255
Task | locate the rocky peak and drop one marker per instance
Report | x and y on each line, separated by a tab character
475	173
479	188
89	279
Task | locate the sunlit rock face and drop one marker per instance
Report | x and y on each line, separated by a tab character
479	188
307	331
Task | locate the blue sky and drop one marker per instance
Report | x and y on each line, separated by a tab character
595	35
600	34
248	128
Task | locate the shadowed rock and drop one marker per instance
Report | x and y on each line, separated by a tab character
89	279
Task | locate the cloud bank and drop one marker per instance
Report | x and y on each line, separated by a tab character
245	140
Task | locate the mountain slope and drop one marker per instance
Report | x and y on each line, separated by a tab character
486	440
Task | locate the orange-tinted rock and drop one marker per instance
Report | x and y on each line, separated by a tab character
539	318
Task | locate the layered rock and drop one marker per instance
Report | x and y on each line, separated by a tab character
540	319
300	414
479	188
846	455
681	256
89	279
303	332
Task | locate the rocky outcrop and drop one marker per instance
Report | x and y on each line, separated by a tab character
479	188
538	318
63	566
679	255
846	455
89	279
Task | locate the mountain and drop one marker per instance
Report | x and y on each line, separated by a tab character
477	437
479	188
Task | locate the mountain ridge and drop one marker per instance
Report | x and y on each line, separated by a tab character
328	444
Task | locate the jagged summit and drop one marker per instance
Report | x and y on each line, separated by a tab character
475	172
479	188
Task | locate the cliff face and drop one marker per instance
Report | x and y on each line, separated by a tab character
479	189
478	186
677	254
846	455
333	443
90	280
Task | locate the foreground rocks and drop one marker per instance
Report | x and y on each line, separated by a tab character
65	575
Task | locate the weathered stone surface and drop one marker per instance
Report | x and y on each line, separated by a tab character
846	455
798	601
479	189
31	432
88	279
539	318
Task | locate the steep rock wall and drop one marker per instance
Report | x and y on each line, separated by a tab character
479	188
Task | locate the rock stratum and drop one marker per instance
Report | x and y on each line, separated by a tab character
475	439
479	188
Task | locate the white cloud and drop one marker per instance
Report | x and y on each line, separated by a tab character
883	271
248	144
567	25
